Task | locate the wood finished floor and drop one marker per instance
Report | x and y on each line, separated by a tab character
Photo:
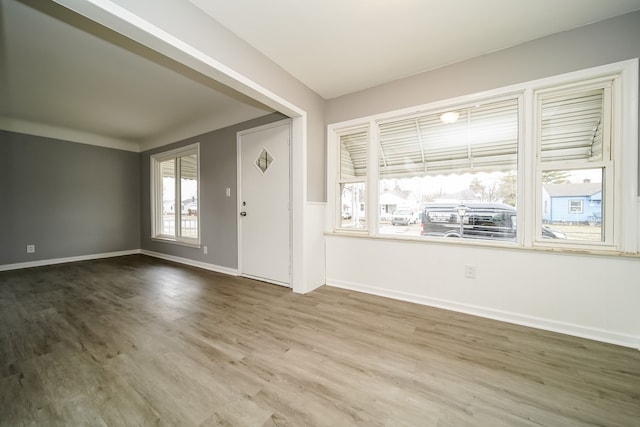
138	341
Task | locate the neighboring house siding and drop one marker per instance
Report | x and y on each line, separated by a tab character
571	203
560	209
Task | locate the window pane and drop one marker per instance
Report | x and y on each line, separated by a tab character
168	176
437	162
428	205
353	155
572	204
571	127
175	187
353	213
472	139
352	173
189	196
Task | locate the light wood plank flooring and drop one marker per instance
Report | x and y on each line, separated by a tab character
138	341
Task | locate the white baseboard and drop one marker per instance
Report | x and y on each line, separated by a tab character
43	262
186	261
595	334
193	263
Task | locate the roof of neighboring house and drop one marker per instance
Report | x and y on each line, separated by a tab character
573	190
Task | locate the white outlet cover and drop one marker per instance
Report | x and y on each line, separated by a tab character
470	271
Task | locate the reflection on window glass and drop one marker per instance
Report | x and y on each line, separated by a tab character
353	205
572	203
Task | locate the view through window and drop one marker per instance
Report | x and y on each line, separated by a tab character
434	163
537	163
175	184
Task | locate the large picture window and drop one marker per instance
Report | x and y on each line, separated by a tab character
535	164
175	195
436	162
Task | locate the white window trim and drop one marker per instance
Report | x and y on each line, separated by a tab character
625	158
156	195
611	204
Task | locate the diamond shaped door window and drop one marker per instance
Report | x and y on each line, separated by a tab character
264	160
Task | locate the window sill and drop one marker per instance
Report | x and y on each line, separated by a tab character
488	245
195	245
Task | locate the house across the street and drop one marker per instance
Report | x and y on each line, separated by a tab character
572	203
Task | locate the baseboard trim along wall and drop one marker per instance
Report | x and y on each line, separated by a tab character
193	263
515	318
43	262
179	260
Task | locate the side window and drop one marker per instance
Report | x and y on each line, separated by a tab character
175	195
352	178
575	167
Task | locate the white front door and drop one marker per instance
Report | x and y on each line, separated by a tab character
264	199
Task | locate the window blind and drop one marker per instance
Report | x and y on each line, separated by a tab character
571	127
484	137
188	167
353	155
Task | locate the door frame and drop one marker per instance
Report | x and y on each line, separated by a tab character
239	136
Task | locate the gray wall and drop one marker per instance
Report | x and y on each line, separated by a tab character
68	199
218	213
601	43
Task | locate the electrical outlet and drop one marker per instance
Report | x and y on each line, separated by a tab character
228	192
470	271
205	249
31	249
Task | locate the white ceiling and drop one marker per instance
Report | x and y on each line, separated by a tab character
337	47
60	71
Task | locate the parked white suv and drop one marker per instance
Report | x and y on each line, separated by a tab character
403	217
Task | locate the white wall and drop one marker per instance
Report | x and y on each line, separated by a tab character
315	245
